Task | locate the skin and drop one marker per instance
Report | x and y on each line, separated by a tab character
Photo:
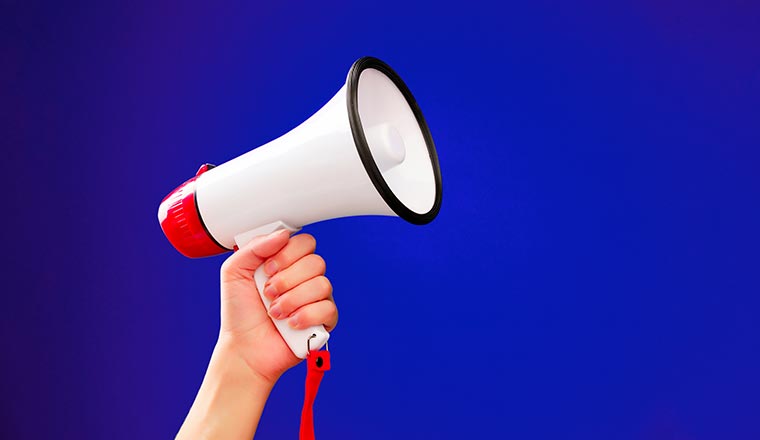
250	355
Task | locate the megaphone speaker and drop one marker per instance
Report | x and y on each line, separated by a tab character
368	151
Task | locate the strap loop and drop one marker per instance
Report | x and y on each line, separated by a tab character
317	362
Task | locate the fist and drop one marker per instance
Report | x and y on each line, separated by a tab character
297	287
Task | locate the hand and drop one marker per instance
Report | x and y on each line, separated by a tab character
299	292
251	355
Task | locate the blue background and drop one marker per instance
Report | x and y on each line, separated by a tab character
594	271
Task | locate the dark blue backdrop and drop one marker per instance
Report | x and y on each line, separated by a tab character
594	271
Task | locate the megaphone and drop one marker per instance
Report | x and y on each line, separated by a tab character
368	151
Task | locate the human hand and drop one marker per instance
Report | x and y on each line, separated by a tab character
299	292
251	355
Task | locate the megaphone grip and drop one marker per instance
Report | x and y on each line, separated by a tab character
299	340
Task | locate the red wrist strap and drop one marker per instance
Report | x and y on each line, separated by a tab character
317	362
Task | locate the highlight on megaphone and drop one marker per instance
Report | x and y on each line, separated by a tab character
368	151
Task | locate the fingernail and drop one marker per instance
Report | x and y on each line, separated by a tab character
269	291
270	268
278	233
293	322
275	311
257	241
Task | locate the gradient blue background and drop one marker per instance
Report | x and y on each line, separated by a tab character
594	272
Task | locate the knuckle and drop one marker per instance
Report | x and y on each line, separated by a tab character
286	303
227	268
309	241
319	262
280	260
329	316
280	284
306	317
324	284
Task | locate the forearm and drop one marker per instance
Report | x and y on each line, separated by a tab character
230	401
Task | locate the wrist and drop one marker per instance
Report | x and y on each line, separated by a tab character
228	359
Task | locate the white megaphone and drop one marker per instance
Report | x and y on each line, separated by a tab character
368	151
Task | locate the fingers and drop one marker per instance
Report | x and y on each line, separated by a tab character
300	291
323	312
316	289
304	304
246	260
306	268
298	246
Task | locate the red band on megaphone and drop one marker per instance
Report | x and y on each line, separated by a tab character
183	226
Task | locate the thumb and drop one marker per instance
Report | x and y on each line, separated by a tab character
244	262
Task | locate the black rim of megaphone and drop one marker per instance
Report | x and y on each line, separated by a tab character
352	86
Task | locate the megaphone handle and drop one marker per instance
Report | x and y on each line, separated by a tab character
299	340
